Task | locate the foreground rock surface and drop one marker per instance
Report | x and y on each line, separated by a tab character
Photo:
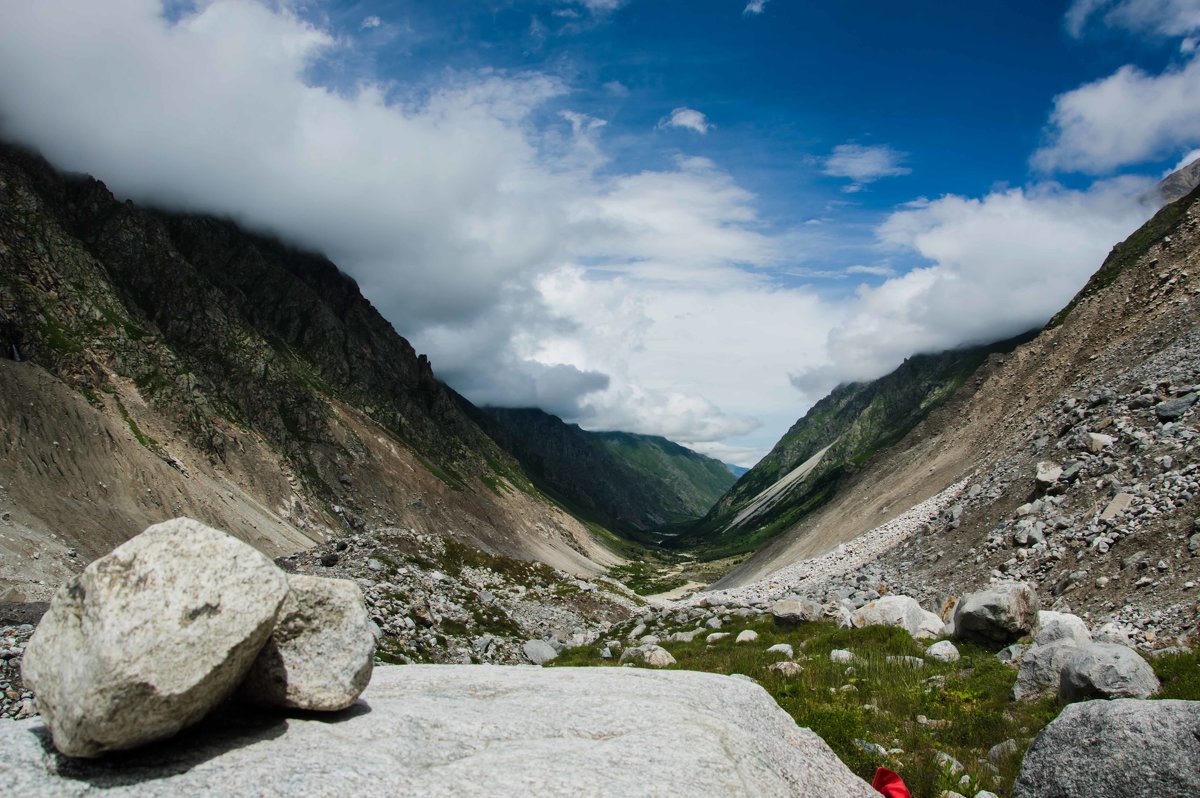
442	730
1115	749
320	654
150	637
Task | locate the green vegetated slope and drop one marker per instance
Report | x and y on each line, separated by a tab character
855	421
628	483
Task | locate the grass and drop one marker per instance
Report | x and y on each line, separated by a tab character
967	701
1179	674
141	437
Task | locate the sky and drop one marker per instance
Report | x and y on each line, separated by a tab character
688	218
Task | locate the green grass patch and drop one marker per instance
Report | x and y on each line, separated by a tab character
145	440
1179	674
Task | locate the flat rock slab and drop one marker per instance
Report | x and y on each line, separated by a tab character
473	730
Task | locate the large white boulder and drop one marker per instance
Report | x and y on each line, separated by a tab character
902	611
793	612
320	654
150	637
998	616
460	731
651	655
1054	626
1114	749
1107	670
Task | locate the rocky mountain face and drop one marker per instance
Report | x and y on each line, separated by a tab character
1071	463
842	432
628	483
158	364
1180	183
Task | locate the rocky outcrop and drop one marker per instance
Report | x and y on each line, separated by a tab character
148	639
479	731
1115	749
320	654
998	616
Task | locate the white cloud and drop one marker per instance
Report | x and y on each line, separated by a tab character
1186	160
875	271
755	7
653	301
371	22
1126	118
687	118
616	88
999	265
863	164
1159	17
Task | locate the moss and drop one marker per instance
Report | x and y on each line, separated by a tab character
145	440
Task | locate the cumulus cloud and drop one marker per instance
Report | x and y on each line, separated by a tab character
485	221
687	118
371	22
754	7
1093	130
1160	17
997	266
864	164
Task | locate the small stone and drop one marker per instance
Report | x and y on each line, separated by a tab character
715	636
746	636
782	648
942	651
841	655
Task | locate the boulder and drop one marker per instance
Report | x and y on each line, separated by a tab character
1107	670
1048	473
1174	409
654	656
446	731
151	637
1097	442
746	636
902	611
998	616
1114	749
782	648
943	651
539	651
1041	668
320	654
793	612
1054	626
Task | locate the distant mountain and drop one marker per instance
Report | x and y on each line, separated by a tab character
736	470
1180	183
629	483
156	364
836	437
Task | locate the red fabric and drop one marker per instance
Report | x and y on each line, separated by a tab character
889	784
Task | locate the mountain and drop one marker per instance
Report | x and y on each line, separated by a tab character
1179	183
840	433
736	470
161	364
629	483
1102	403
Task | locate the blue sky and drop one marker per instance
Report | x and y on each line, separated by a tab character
679	218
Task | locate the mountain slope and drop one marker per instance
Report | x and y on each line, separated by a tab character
629	483
836	437
161	364
1113	532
